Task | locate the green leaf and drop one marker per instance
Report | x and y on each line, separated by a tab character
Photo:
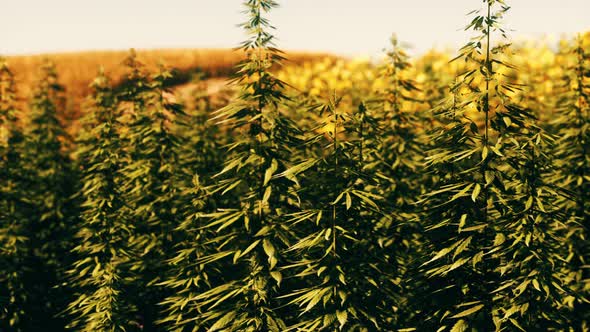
536	285
499	239
497	151
230	187
270	171
469	311
462	192
364	196
292	172
484	153
270	251
342	317
540	204
250	247
463	220
348	201
464	245
276	275
444	252
266	195
315	298
515	322
223	321
529	203
460	326
476	192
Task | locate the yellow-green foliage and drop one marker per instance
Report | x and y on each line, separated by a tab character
446	192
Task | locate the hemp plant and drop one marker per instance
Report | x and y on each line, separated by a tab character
101	272
476	159
572	158
151	148
337	262
251	233
400	156
14	230
49	183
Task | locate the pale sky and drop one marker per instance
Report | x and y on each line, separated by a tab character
347	27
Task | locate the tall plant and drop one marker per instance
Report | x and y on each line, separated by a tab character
14	230
400	154
201	158
477	163
251	234
150	181
572	156
50	185
341	277
101	270
534	240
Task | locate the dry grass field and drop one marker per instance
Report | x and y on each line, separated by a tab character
77	69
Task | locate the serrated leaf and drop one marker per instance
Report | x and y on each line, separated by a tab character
315	299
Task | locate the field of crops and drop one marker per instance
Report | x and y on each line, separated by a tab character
448	192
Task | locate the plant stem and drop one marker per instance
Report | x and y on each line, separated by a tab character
335	117
485	166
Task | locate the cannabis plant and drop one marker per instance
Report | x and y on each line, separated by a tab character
200	160
572	158
251	233
149	187
14	231
401	158
534	240
340	267
101	271
473	217
49	184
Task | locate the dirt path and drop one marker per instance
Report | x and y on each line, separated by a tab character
214	85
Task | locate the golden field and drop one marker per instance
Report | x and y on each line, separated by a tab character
313	74
77	70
